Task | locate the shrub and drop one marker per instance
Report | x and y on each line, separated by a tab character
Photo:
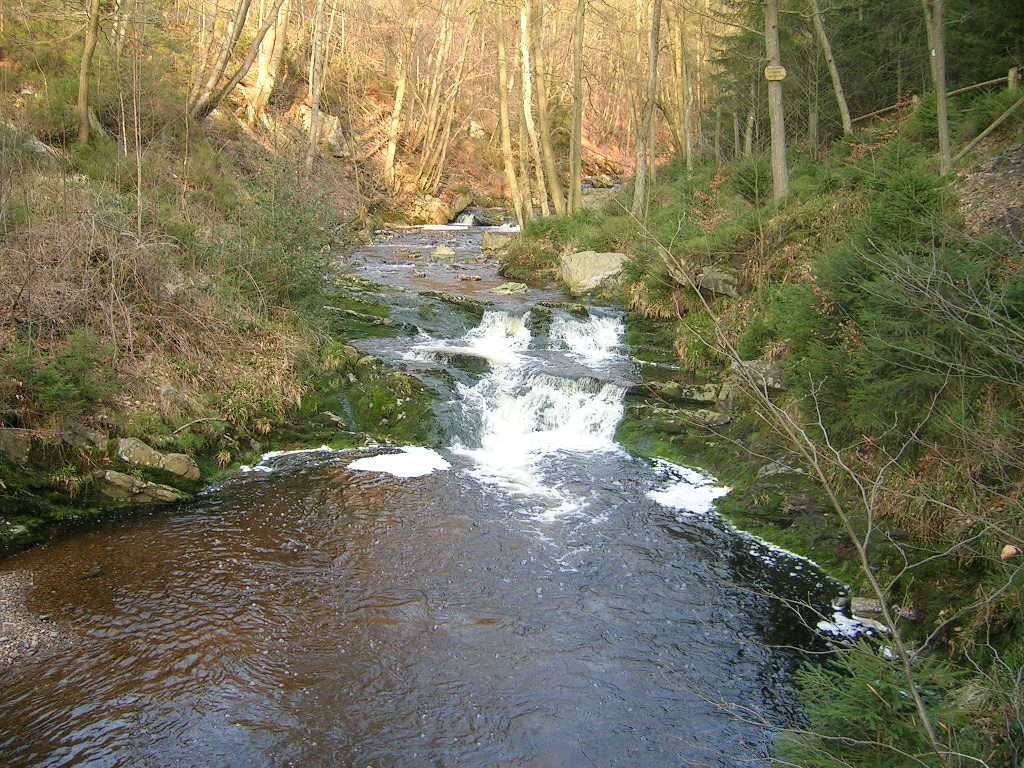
64	384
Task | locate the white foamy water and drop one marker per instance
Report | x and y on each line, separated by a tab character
523	418
412	461
687	490
498	339
591	341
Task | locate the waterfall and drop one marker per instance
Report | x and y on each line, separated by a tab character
521	417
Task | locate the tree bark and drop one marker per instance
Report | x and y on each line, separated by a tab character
833	70
554	185
268	64
85	65
933	20
211	99
507	157
525	14
643	151
402	67
780	173
319	46
576	139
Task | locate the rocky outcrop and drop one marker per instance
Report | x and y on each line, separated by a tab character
458	204
586	270
133	451
127	489
673	391
424	209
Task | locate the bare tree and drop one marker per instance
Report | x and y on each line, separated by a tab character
85	65
643	133
576	136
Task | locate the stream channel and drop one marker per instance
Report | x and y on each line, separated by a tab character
530	594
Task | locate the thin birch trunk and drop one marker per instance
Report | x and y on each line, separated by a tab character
85	65
576	138
643	151
525	14
507	159
833	70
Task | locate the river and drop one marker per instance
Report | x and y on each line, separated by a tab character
527	595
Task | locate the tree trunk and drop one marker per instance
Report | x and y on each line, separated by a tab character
576	139
507	158
833	70
210	98
402	67
554	187
933	19
525	14
780	173
644	152
319	47
85	65
268	64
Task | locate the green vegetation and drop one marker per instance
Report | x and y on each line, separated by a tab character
891	300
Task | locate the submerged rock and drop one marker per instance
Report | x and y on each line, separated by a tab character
443	253
584	271
509	289
494	241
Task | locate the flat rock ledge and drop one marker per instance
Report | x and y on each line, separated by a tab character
23	635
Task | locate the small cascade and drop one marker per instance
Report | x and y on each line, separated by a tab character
591	341
520	417
464	219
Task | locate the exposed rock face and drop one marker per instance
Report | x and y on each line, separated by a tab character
78	436
707	418
584	271
458	204
762	373
123	488
685	393
424	209
131	450
15	445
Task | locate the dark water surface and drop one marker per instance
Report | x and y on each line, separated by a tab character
320	616
316	615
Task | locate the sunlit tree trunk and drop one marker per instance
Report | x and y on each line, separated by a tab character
85	65
833	70
208	97
525	15
554	184
576	137
268	64
780	172
643	134
507	158
402	67
319	47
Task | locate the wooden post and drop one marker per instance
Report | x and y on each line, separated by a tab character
1013	78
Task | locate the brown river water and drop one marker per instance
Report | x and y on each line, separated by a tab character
551	610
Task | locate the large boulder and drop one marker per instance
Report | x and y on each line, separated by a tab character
15	445
424	209
458	204
717	280
126	489
585	270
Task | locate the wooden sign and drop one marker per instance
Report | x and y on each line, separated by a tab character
774	73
